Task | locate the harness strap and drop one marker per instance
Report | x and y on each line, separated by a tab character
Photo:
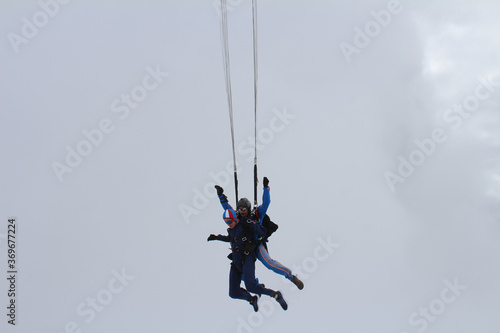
237	239
246	248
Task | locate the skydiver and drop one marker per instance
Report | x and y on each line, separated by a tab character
241	236
244	214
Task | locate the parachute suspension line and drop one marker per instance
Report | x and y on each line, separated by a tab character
225	56
255	76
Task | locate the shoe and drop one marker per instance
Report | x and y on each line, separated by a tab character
297	282
279	298
253	302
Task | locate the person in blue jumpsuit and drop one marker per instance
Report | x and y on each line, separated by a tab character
241	235
244	214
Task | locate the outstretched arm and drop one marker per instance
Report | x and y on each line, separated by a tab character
222	238
266	200
222	197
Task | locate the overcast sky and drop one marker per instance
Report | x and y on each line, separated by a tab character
378	128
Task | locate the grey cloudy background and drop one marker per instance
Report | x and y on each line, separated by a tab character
115	241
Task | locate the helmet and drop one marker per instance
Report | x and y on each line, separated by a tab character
244	202
229	214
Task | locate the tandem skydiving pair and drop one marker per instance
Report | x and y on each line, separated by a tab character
248	234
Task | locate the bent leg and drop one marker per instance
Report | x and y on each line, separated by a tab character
251	282
272	264
235	291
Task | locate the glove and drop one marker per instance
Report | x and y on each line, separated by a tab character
265	182
219	189
211	237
